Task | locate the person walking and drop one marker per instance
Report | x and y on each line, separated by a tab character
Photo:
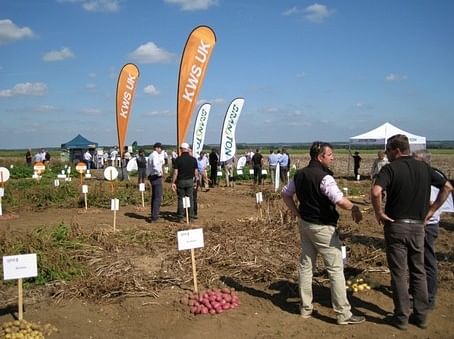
141	166
29	157
214	162
407	184
318	196
257	164
272	163
284	166
183	180
155	164
356	164
377	165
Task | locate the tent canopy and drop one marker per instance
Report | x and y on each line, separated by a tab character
78	143
381	134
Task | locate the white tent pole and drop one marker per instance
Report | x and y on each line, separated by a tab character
349	156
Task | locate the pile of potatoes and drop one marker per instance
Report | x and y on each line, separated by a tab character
22	329
357	285
211	301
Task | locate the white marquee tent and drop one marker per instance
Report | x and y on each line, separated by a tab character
381	134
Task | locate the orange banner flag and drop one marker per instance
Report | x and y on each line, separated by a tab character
126	88
194	62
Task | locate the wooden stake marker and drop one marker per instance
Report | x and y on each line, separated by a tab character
81	167
111	173
19	267
142	189
259	200
191	239
85	191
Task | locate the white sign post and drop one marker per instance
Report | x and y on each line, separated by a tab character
85	191
259	200
115	206
277	177
19	267
142	189
81	167
4	176
186	205
191	239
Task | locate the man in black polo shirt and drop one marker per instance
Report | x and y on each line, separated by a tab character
407	184
318	196
183	179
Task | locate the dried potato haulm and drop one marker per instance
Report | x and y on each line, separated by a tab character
22	329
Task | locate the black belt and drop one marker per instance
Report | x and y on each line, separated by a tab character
408	221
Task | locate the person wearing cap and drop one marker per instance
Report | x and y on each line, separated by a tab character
155	163
183	179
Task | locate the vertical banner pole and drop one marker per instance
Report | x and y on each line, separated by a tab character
194	271
20	301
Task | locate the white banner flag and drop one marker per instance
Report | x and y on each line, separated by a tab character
228	143
200	128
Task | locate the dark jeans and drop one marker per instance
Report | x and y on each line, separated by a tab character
430	261
185	188
213	174
141	174
257	174
156	196
284	174
405	251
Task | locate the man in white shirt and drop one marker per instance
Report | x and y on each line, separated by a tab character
155	164
88	158
318	196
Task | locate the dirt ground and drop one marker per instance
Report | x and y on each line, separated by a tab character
267	310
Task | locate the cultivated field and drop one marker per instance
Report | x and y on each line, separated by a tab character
97	283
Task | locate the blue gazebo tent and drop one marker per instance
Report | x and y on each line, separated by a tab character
77	147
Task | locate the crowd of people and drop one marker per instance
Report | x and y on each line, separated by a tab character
407	196
414	195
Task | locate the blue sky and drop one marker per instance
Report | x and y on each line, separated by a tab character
324	70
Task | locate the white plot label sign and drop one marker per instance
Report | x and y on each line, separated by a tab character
20	266
190	239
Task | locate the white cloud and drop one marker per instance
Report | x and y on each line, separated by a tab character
291	11
9	32
27	88
149	53
301	75
63	54
157	113
151	90
193	5
317	12
97	5
90	86
91	111
395	77
45	109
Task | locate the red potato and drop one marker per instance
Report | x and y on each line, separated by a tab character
226	306
212	311
212	297
216	305
222	302
228	298
219	310
225	290
204	310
